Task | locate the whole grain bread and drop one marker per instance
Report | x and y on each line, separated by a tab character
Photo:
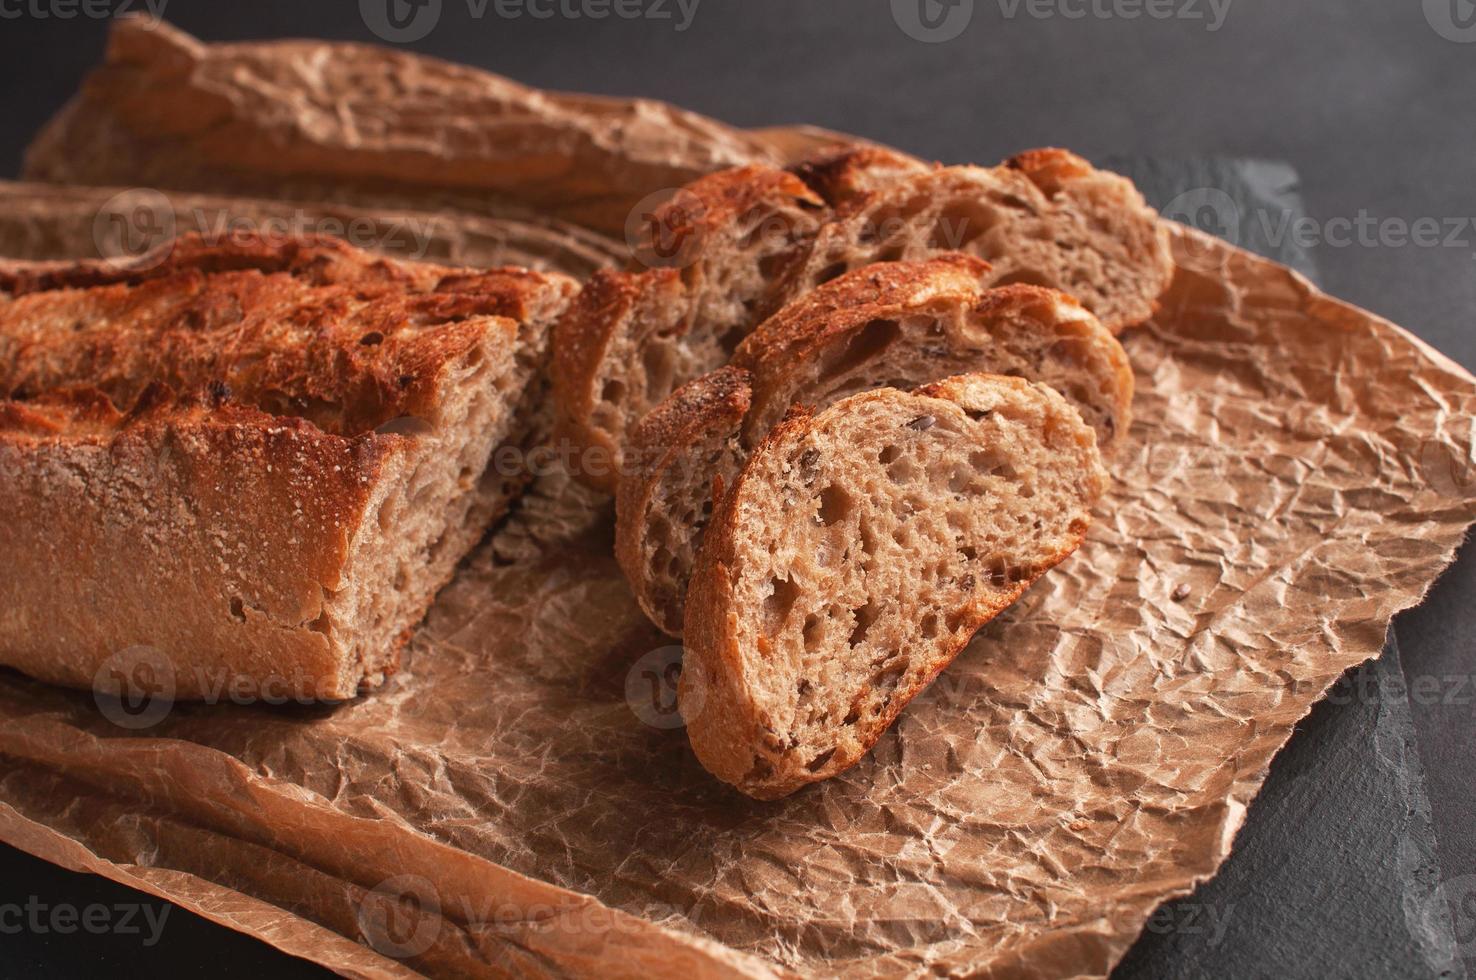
258	460
709	257
896	324
856	555
1046	218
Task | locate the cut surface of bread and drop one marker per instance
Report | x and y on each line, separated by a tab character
1046	218
260	460
895	325
855	556
632	337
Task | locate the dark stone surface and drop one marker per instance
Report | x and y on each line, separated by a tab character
1365	99
1335	869
1334	873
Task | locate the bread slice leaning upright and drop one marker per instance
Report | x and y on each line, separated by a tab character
1045	218
855	556
704	262
897	324
251	464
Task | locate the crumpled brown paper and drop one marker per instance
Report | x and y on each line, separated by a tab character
517	803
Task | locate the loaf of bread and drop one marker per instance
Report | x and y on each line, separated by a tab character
855	556
257	459
897	324
1046	218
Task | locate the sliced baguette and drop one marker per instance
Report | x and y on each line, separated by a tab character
632	337
855	556
1046	218
893	324
257	460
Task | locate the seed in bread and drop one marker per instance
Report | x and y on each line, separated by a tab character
856	555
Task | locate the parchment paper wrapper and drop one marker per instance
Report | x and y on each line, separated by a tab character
519	803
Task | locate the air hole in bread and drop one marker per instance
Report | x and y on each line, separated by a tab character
813	633
238	609
959	225
372	338
833	271
818	763
612	391
888	455
1025	277
868	342
865	617
835	505
778	604
990	463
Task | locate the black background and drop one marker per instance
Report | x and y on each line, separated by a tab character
1365	98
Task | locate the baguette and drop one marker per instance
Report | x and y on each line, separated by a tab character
257	460
892	324
1046	218
856	555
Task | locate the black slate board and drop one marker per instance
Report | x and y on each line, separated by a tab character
1334	873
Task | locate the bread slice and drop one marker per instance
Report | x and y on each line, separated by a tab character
1047	218
632	337
258	460
765	239
893	324
856	555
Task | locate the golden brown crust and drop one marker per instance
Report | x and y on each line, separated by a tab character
215	421
883	288
845	171
1049	168
235	523
709	206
